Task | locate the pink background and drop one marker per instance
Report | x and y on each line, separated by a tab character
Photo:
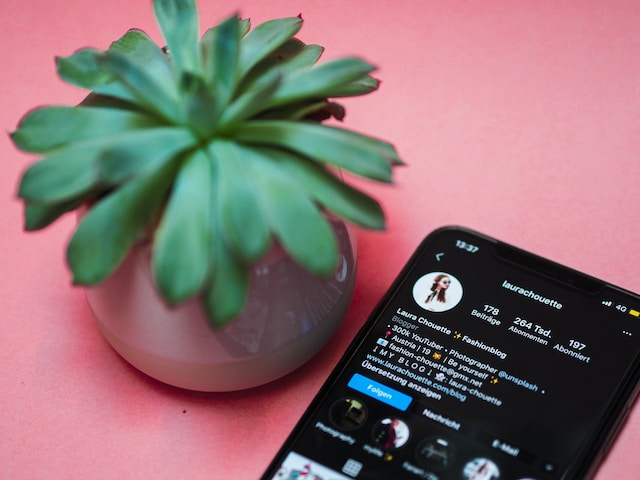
520	119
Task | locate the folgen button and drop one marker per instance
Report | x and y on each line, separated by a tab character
380	392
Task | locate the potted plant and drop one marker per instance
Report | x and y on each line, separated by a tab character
196	168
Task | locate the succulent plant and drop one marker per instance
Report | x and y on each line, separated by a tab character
211	146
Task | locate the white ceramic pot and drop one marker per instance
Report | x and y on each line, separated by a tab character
290	315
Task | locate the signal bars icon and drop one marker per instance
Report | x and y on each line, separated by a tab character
607	303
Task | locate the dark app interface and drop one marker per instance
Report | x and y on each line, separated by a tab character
475	369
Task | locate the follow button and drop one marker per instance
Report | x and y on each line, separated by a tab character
380	392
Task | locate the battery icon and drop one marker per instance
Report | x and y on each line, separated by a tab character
635	313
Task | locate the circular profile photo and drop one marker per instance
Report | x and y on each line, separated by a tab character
390	433
348	413
435	453
437	291
481	469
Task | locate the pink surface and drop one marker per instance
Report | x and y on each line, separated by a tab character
519	119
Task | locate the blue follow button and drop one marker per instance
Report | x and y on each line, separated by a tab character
380	392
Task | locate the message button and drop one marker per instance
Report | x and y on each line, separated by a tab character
380	392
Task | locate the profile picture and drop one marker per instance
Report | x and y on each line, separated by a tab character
390	433
437	291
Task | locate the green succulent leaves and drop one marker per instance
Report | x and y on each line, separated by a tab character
182	243
210	147
178	21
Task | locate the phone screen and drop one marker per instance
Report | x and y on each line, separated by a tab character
482	362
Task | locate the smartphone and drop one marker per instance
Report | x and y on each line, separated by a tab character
483	361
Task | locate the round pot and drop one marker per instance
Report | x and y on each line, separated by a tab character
289	316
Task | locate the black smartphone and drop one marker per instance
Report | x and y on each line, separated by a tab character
483	361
